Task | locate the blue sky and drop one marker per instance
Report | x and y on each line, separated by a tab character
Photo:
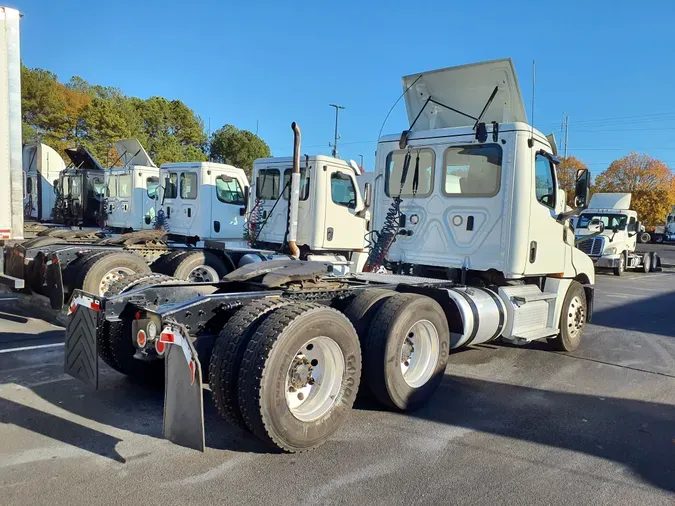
610	65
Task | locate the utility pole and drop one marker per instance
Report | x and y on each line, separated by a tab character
566	127
334	145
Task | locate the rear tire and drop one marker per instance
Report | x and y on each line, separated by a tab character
658	239
196	266
228	354
646	263
406	351
98	273
275	362
572	319
115	345
618	271
363	307
645	237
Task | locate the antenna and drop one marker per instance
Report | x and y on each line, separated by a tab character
530	142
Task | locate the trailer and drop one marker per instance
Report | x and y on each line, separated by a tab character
614	247
11	180
472	224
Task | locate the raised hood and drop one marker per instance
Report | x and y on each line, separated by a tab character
610	201
83	159
132	152
466	88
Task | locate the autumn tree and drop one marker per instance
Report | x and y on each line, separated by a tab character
567	172
237	147
650	181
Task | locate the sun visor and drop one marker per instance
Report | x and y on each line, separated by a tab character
466	88
83	159
132	152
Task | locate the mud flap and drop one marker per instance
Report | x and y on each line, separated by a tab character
54	280
81	354
183	399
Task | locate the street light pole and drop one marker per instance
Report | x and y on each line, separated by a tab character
334	145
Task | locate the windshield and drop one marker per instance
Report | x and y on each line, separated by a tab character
610	221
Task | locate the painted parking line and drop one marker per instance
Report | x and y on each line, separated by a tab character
29	348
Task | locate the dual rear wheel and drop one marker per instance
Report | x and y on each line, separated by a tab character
289	372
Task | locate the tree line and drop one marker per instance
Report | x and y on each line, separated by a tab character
650	181
77	113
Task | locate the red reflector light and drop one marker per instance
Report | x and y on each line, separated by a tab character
138	315
141	338
160	347
95	306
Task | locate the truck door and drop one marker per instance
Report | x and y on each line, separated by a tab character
125	189
272	207
344	230
170	202
189	203
227	205
546	248
150	200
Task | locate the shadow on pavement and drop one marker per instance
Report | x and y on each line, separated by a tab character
652	315
639	435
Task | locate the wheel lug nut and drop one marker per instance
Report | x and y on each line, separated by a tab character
301	396
406	363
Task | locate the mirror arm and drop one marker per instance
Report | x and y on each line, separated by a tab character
569	214
587	237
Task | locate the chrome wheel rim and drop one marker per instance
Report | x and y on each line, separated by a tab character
576	316
111	276
419	353
314	378
203	274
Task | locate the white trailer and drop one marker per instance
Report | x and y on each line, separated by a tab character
11	179
132	191
614	248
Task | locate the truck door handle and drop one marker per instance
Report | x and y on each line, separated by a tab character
533	251
469	223
216	226
168	212
189	212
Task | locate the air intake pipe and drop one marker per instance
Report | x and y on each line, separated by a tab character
294	200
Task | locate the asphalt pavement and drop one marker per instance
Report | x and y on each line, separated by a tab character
516	425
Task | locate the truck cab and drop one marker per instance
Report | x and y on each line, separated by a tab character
80	192
615	247
333	218
132	191
470	193
204	201
42	167
666	232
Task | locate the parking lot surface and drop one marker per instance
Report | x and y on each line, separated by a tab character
509	424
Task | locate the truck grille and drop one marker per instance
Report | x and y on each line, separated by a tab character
592	247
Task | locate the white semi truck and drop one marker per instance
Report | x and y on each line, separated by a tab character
11	179
615	247
665	233
471	221
42	167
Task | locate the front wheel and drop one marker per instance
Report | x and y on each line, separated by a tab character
621	268
572	319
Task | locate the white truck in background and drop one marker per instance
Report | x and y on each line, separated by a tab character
42	167
11	178
332	210
665	233
132	190
615	247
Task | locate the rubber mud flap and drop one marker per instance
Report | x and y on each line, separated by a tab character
80	354
54	278
183	400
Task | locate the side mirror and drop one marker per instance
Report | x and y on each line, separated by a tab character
247	192
367	195
582	188
596	227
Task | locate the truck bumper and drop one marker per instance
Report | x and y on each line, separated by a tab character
607	261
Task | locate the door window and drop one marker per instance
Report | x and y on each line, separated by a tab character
544	181
304	184
99	187
112	186
75	189
472	171
421	163
124	190
267	187
229	191
152	184
342	190
188	185
171	185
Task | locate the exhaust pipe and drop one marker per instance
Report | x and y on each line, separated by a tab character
294	200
